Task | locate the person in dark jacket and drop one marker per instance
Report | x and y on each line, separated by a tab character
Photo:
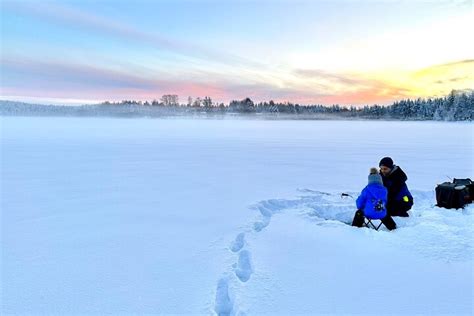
399	199
372	201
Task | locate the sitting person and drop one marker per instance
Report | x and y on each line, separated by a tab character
371	203
400	199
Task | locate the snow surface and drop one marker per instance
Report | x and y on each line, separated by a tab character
239	217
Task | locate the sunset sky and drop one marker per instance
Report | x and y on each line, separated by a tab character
310	52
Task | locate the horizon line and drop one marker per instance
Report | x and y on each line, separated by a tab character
85	102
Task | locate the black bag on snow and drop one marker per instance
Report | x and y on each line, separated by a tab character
455	194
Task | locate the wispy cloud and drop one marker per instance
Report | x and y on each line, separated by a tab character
76	18
59	74
467	64
322	75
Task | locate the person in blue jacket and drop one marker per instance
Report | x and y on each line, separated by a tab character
372	201
394	179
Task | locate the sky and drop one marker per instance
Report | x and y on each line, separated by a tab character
309	52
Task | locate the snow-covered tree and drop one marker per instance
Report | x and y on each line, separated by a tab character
170	100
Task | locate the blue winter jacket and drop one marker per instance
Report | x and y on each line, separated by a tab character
372	201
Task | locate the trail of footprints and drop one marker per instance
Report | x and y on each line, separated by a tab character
243	268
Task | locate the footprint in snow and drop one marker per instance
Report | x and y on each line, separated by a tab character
243	268
224	304
238	243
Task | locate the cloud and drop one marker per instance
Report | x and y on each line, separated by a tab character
322	75
351	88
59	74
76	18
468	63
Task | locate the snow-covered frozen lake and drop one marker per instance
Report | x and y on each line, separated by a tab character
239	217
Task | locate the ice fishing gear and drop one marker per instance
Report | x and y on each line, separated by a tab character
343	195
455	194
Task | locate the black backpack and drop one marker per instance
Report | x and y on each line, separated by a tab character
455	194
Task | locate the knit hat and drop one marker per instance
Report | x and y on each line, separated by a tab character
374	176
387	162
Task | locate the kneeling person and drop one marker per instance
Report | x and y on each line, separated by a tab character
372	202
394	179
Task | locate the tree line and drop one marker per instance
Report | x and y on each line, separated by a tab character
456	106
